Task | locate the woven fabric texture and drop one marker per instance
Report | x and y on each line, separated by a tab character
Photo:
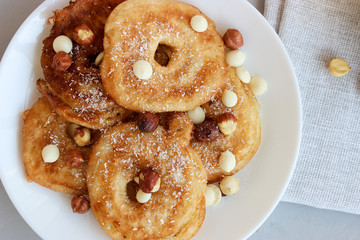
327	174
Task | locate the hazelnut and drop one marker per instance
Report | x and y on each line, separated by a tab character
149	181
80	204
233	39
82	136
142	197
83	35
227	123
61	61
131	189
74	158
136	179
229	185
208	131
50	153
339	67
148	122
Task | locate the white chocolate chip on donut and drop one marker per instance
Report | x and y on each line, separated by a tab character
227	161
199	23
50	153
142	69
243	74
235	58
258	85
229	98
197	115
62	43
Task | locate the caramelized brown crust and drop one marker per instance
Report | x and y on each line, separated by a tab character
77	94
196	68
42	126
243	142
176	211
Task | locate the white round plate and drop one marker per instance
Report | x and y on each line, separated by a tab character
263	181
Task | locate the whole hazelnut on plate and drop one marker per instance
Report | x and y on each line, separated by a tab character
233	39
80	204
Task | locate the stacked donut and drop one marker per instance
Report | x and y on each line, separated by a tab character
143	112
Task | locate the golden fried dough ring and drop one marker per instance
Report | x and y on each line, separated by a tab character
134	31
176	211
243	142
77	94
42	126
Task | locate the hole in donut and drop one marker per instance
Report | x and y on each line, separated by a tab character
163	54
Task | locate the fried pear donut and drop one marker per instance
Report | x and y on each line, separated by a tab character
42	126
176	210
243	142
195	68
77	94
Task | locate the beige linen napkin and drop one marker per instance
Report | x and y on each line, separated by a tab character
327	174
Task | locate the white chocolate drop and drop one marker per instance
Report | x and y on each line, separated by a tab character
62	43
227	161
229	98
243	74
142	69
235	58
50	153
258	85
197	115
199	23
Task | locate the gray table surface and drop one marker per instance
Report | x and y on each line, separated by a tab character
288	221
